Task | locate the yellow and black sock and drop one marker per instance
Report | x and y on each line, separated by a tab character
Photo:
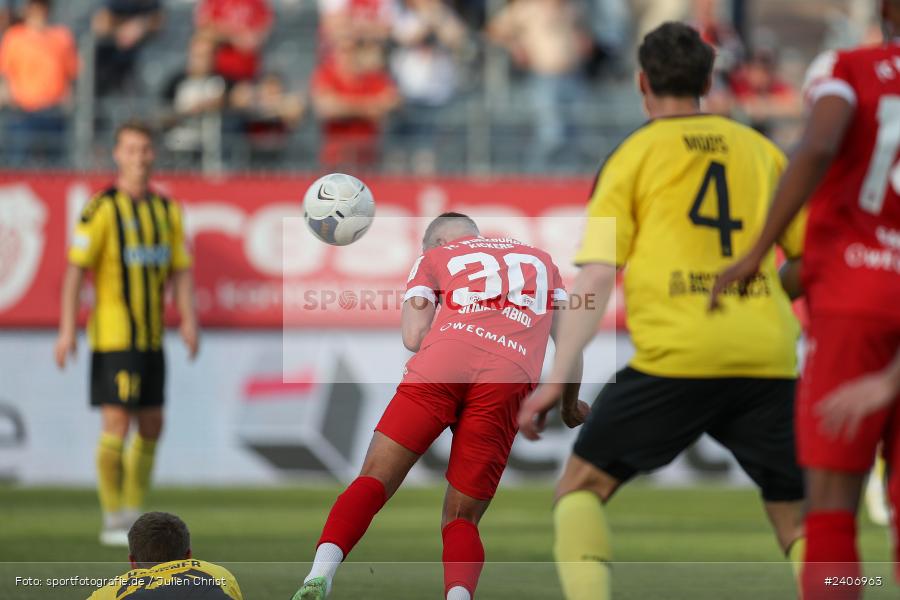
109	472
138	468
582	546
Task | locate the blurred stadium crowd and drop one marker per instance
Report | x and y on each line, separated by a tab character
421	86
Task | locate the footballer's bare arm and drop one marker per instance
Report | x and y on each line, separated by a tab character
415	321
71	291
573	411
821	141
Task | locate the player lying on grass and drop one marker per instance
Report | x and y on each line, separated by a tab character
159	549
688	191
846	168
476	359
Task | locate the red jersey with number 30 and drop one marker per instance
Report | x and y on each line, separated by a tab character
851	263
495	294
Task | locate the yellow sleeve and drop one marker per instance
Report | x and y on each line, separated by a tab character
229	583
610	227
232	588
181	257
91	232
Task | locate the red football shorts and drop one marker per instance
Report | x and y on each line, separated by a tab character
840	349
475	393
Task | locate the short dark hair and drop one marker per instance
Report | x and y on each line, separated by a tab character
158	537
676	60
133	125
445	218
48	4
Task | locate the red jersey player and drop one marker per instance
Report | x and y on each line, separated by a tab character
847	165
476	359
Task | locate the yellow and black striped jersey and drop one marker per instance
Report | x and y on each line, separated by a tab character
132	247
188	579
689	195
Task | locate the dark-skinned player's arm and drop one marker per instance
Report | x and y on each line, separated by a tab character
789	273
846	407
66	342
416	316
820	143
576	328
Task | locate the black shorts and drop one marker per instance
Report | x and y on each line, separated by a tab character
131	378
642	422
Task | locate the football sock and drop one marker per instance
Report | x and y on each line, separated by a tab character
328	559
831	554
458	593
794	554
138	465
582	548
352	513
109	474
463	558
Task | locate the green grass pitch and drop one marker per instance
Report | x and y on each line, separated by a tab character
695	543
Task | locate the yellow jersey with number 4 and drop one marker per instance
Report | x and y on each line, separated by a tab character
690	195
188	578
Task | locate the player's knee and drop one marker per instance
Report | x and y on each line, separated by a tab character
464	512
150	426
580	475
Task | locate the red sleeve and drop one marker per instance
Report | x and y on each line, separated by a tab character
557	287
830	74
422	282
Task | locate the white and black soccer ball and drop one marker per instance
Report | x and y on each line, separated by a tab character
338	209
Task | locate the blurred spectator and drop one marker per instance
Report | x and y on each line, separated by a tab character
240	29
39	62
762	94
546	38
352	95
428	36
718	33
360	19
268	113
650	14
191	94
121	27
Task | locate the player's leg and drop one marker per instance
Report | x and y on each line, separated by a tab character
417	414
482	440
463	554
876	494
139	459
114	428
105	394
148	399
582	546
840	349
637	424
757	426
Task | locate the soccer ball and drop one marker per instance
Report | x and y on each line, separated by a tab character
338	209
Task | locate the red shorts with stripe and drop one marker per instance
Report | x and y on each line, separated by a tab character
473	392
840	349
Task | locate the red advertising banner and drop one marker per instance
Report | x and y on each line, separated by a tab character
255	263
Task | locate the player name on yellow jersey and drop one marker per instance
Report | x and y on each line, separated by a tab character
188	578
689	195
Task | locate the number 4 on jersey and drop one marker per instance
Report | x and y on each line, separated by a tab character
723	221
